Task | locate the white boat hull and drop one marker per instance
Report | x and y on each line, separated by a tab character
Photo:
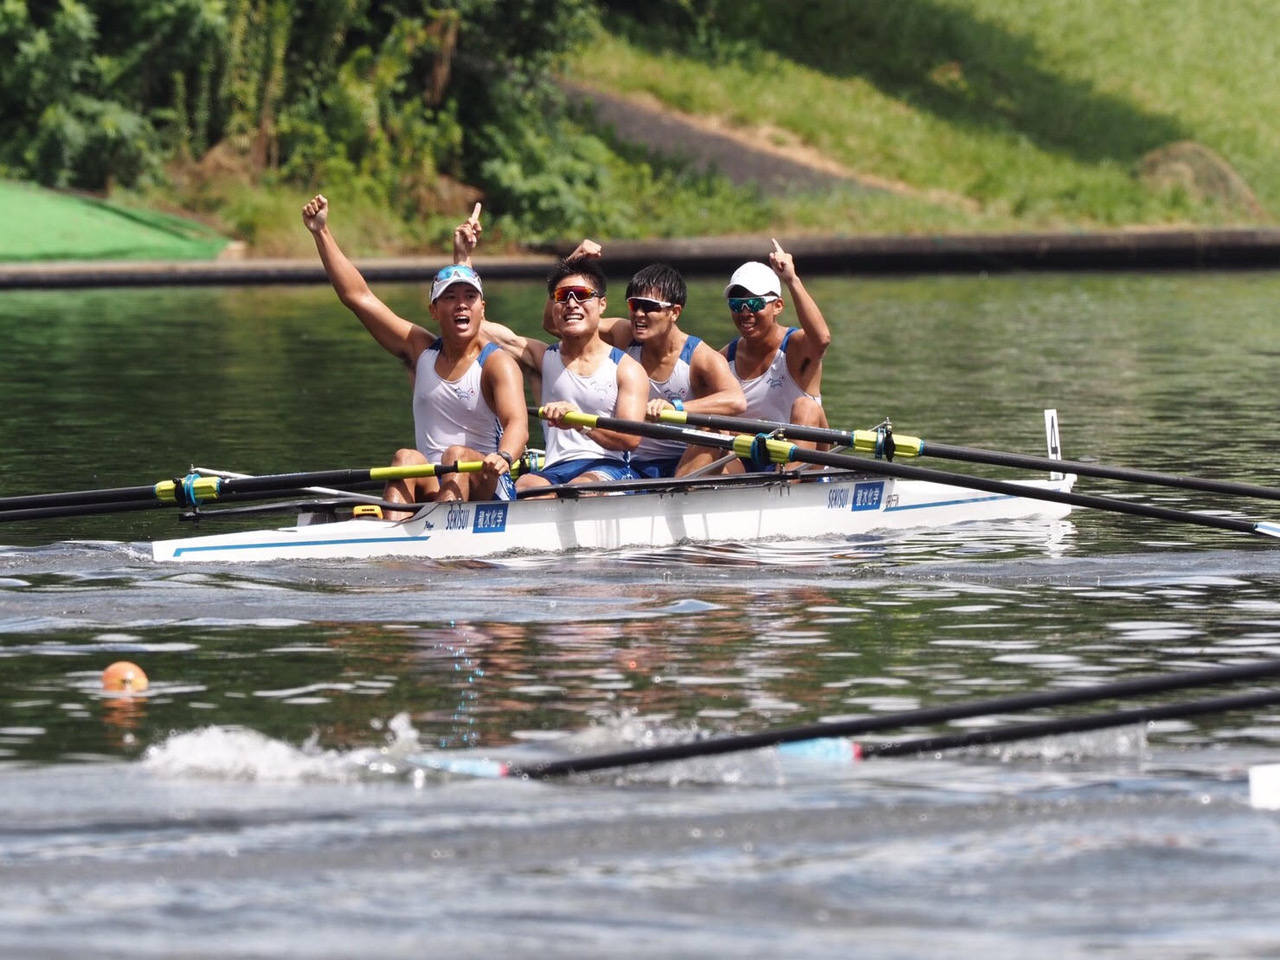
844	506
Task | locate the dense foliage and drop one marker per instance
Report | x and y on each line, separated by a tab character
405	98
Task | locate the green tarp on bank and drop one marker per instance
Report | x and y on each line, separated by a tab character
42	224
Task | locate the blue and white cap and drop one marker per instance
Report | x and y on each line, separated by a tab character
457	273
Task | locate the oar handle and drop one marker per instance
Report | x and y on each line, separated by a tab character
878	442
411	470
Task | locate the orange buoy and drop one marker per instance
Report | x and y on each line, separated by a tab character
123	676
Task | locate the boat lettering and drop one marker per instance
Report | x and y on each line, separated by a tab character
868	496
838	499
458	518
491	518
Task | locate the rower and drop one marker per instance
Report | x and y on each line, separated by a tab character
779	368
468	396
684	372
582	373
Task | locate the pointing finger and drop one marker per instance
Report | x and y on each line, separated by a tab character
777	247
475	214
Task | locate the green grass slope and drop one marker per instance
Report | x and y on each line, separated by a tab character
986	114
46	225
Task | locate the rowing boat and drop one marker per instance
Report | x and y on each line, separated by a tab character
849	496
794	505
758	507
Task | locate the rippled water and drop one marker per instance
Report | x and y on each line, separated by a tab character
268	795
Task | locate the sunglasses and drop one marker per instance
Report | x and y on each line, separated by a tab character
754	304
457	271
645	305
579	294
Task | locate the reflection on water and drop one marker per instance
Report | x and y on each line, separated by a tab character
485	657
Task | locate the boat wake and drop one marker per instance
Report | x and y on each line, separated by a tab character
227	754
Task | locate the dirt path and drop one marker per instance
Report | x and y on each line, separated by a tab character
771	158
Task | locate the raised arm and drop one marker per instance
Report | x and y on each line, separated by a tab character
466	237
397	336
814	336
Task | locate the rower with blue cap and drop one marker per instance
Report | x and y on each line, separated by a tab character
468	396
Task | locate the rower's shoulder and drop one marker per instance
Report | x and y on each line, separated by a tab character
495	361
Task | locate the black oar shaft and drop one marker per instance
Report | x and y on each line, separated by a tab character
792	431
1083	724
78	510
1101	471
1019	703
1006	488
194	490
78	498
999	458
906	472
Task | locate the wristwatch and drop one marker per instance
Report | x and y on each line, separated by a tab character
511	461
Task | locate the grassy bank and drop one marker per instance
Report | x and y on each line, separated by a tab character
984	114
965	115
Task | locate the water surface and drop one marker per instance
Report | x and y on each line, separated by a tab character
264	799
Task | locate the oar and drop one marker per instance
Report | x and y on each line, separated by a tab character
762	448
1018	703
1053	728
193	490
897	444
318	491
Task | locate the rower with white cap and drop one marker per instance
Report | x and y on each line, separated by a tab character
779	367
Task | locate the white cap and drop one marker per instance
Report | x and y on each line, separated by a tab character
457	273
756	278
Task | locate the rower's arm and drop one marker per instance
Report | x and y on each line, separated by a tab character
633	392
613	330
397	336
817	335
466	237
806	349
504	391
616	331
716	390
526	351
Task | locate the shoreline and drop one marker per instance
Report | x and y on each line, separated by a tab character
1216	249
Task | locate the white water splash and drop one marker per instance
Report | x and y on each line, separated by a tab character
236	753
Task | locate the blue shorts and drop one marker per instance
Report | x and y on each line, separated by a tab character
567	470
750	466
656	469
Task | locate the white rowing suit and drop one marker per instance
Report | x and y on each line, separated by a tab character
770	395
449	413
596	394
678	386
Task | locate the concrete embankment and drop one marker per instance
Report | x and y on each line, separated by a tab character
717	256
